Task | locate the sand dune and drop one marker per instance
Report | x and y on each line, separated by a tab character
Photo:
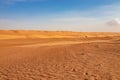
45	55
22	34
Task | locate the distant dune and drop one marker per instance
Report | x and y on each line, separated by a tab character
16	34
59	55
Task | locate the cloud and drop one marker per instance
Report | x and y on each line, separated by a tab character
114	23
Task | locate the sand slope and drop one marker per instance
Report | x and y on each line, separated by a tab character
96	58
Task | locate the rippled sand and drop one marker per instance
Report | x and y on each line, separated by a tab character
95	58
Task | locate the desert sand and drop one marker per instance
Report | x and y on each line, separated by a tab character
59	55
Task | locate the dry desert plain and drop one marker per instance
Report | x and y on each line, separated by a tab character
59	55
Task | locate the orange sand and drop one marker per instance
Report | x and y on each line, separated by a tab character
45	55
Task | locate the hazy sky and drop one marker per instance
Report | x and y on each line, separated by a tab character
72	15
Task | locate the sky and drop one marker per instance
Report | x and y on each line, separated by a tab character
67	15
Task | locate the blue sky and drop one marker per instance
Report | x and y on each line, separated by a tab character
72	15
